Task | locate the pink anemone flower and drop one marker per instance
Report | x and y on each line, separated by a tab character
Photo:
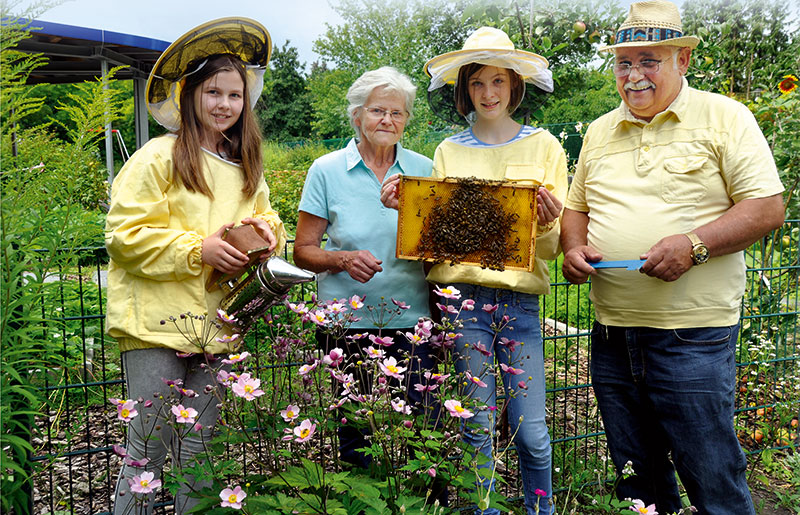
390	368
247	387
475	380
291	412
448	292
455	409
639	507
127	410
184	415
144	483
232	498
304	431
511	370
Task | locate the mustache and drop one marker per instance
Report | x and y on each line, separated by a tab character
644	83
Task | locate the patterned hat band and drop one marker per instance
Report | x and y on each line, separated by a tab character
646	34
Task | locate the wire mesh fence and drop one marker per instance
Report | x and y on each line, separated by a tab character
75	466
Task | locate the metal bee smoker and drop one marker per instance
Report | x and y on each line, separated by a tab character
248	296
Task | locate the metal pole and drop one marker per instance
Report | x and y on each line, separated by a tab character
109	139
140	112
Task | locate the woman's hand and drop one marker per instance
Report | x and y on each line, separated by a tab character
389	192
265	231
548	207
220	254
360	264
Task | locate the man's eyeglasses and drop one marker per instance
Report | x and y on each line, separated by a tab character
378	113
646	67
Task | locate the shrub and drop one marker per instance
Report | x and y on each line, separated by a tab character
43	223
292	463
285	188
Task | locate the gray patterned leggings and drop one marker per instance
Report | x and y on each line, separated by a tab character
148	434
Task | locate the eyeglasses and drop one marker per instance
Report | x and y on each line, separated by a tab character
378	113
646	67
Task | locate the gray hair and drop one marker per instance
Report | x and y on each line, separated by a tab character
385	76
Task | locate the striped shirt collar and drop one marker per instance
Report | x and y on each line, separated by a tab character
467	137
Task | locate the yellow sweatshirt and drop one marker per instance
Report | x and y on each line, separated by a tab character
537	156
154	233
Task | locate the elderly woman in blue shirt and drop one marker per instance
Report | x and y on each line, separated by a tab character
341	197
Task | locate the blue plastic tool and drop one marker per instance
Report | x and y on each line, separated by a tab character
630	264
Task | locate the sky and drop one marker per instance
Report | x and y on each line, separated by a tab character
299	21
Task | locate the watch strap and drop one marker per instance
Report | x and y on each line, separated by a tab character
693	238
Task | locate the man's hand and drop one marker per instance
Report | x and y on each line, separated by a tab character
360	264
669	258
578	261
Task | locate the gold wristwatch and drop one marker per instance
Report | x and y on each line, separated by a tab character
699	249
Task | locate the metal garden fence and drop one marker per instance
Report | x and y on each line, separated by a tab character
75	466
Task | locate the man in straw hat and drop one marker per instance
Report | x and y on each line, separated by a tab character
683	180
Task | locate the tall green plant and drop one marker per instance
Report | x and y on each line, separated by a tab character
746	47
42	223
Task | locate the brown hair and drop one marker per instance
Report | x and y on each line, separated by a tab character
241	143
464	104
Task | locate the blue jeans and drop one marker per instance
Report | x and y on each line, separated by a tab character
532	439
663	392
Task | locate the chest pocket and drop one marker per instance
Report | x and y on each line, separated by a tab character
526	173
684	180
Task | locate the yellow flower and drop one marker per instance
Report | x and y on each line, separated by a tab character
788	84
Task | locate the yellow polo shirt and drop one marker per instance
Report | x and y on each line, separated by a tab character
640	182
537	156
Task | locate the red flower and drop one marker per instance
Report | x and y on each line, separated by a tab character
788	84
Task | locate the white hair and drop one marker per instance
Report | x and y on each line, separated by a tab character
386	77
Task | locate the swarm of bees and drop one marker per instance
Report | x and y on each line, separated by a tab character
470	222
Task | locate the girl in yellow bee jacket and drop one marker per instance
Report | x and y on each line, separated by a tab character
170	207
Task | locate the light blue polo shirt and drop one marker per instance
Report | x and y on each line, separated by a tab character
340	188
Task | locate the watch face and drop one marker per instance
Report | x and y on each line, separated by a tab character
700	254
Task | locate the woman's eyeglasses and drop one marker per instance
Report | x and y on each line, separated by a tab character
378	113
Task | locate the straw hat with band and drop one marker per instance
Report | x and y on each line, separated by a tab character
652	23
242	37
488	46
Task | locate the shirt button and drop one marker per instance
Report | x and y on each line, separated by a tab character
646	148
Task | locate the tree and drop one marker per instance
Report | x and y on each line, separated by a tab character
407	34
284	109
382	33
567	33
747	45
327	90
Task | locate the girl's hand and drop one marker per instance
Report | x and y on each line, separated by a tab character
389	191
265	231
548	207
220	254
